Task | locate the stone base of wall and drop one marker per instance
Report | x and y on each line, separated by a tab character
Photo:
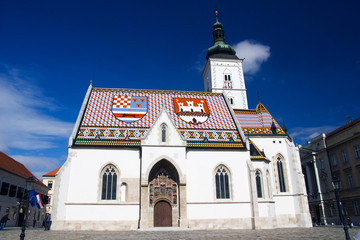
298	220
242	223
94	225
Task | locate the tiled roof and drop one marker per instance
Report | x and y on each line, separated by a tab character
12	166
257	121
52	173
100	126
343	127
255	153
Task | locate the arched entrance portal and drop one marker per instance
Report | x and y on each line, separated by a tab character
163	194
162	214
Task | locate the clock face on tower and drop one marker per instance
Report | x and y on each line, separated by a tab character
228	84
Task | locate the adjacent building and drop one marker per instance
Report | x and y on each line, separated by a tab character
343	147
49	179
200	160
336	154
13	177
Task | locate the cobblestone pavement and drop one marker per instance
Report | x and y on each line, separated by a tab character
291	233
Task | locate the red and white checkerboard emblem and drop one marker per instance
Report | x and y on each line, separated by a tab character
129	109
122	102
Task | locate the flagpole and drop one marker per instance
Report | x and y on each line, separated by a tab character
29	183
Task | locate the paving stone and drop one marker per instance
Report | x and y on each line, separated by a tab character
328	233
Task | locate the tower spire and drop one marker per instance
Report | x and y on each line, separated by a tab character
220	48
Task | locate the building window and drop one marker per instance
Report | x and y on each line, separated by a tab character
322	164
357	151
4	188
344	155
258	183
280	168
356	208
222	183
12	192
109	183
163	132
227	81
330	211
350	181
334	161
231	100
50	183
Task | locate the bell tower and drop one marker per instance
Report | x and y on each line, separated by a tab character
223	71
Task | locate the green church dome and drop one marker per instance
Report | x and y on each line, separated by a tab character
220	48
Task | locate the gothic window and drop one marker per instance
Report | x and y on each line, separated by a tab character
109	182
281	176
163	132
163	186
222	183
258	183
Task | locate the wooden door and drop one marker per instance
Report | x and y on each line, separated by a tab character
162	214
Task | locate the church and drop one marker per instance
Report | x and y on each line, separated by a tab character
140	159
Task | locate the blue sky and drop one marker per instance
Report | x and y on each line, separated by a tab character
302	56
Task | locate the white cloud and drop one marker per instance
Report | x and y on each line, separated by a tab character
304	134
26	121
38	165
254	53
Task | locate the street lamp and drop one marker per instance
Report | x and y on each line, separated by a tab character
29	186
336	184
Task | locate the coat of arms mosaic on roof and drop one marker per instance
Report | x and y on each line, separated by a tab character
124	116
194	111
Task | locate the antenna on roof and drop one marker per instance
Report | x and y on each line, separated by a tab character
91	82
348	119
258	95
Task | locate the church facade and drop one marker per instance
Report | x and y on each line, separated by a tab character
140	159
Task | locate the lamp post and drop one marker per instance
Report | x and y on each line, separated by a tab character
336	184
29	185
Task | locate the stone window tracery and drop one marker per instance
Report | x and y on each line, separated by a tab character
222	183
109	182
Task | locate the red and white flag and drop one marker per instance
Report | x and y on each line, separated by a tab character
39	201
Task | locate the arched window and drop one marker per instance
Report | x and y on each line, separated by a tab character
109	182
163	132
280	168
222	183
258	183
